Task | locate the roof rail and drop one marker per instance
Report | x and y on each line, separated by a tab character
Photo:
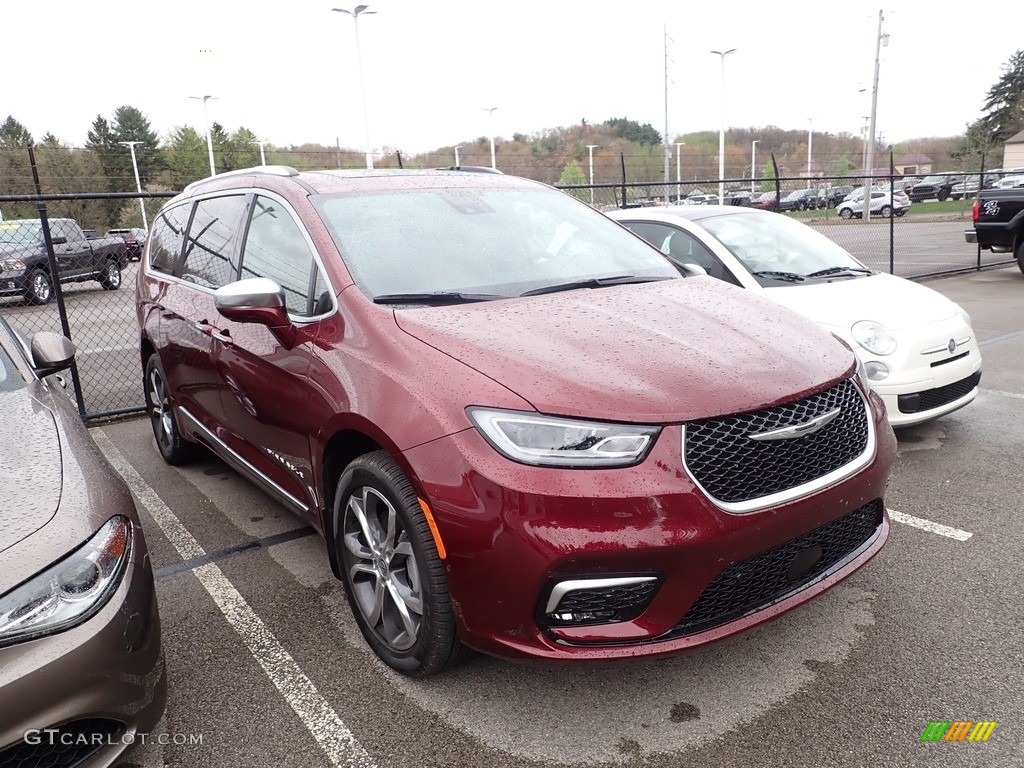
471	168
270	170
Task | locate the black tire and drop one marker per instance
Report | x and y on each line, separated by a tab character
110	277
395	583
846	213
39	288
900	211
1020	256
175	449
942	196
886	211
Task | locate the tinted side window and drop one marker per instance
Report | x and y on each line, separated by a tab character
212	238
276	248
168	236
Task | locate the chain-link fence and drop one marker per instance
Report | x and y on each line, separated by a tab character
63	270
69	261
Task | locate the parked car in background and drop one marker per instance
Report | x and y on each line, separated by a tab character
998	222
917	347
882	204
799	200
620	462
830	197
767	201
25	265
81	660
134	239
1010	181
938	187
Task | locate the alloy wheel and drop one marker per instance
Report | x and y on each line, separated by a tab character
382	569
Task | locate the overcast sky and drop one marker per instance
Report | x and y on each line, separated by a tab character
288	71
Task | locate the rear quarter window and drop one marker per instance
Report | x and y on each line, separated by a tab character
168	238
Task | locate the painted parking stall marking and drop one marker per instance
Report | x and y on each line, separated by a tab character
316	714
929	525
1004	394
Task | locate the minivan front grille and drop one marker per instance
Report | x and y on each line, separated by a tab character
732	467
768	576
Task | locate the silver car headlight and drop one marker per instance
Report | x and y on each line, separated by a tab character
874	337
71	591
13	265
530	438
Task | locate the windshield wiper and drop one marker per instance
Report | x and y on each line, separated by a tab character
437	297
788	277
595	282
841	271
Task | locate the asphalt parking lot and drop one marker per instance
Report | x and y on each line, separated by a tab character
267	666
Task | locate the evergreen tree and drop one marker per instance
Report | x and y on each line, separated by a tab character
131	125
13	134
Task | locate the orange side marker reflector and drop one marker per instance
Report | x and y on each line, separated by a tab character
441	552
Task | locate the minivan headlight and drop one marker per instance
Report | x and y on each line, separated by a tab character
550	441
874	337
71	591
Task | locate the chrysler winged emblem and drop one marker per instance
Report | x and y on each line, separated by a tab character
797	430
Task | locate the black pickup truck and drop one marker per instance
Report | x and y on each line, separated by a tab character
25	268
999	222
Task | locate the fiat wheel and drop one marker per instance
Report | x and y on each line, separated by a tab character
393	575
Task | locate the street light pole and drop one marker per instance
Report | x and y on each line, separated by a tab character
753	163
355	13
490	124
880	40
209	138
810	140
138	183
721	130
457	156
263	156
590	149
679	168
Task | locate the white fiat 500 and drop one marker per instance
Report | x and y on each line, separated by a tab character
917	346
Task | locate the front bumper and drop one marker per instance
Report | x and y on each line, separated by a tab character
514	533
13	283
86	693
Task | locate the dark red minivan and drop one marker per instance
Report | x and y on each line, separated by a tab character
519	428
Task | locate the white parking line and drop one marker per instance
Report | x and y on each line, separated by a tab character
313	710
928	525
1004	394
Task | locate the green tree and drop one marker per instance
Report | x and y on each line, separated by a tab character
1004	102
130	124
573	174
13	134
186	156
240	150
631	130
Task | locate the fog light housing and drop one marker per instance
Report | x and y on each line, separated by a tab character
581	602
876	371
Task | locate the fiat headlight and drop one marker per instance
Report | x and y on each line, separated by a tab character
530	438
71	591
874	337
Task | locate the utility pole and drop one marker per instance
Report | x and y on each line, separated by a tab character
869	182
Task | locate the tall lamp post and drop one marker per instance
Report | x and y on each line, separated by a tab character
679	169
209	138
138	183
590	150
753	163
263	155
457	156
355	13
721	129
880	40
810	140
490	124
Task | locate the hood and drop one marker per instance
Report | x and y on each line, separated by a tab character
894	302
660	352
30	465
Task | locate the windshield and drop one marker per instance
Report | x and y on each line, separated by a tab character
771	243
20	232
497	241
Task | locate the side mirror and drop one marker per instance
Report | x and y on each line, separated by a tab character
51	352
257	300
691	270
